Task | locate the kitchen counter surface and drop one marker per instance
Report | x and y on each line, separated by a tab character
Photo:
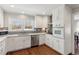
2	37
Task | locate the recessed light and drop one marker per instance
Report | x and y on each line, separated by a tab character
23	12
12	6
44	13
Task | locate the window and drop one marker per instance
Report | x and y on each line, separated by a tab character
29	23
20	22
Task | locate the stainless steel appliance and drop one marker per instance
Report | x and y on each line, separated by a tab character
58	32
34	40
3	31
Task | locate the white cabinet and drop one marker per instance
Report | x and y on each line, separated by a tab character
58	45
49	40
23	42
62	19
45	21
55	43
61	46
38	21
16	43
58	14
42	39
11	44
41	21
2	47
27	42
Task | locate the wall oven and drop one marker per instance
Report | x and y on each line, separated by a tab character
58	32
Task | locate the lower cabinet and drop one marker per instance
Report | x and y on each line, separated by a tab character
55	43
41	39
16	43
58	45
2	47
27	42
49	40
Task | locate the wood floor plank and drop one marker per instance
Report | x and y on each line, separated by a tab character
40	50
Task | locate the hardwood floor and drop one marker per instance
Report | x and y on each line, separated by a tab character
40	50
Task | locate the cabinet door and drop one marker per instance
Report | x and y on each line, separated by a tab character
19	42
38	21
2	48
49	40
58	17
55	44
61	46
41	39
45	21
27	42
11	44
61	16
23	42
55	17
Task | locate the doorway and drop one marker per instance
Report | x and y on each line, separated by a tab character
75	32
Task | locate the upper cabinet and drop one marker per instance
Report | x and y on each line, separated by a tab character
41	21
45	21
1	18
58	19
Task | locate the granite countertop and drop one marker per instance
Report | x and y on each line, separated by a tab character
2	37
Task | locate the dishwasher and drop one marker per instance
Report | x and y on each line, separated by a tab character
34	40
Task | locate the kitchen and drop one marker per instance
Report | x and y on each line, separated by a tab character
31	28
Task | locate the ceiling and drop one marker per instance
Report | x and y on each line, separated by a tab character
31	9
73	6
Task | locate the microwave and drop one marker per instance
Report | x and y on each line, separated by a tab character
58	32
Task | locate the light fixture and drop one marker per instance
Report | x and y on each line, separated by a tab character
23	12
12	6
44	13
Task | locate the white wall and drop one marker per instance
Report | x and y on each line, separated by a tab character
68	13
1	18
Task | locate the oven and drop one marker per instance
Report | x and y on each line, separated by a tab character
58	32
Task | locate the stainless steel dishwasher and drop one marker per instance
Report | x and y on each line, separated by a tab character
34	40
